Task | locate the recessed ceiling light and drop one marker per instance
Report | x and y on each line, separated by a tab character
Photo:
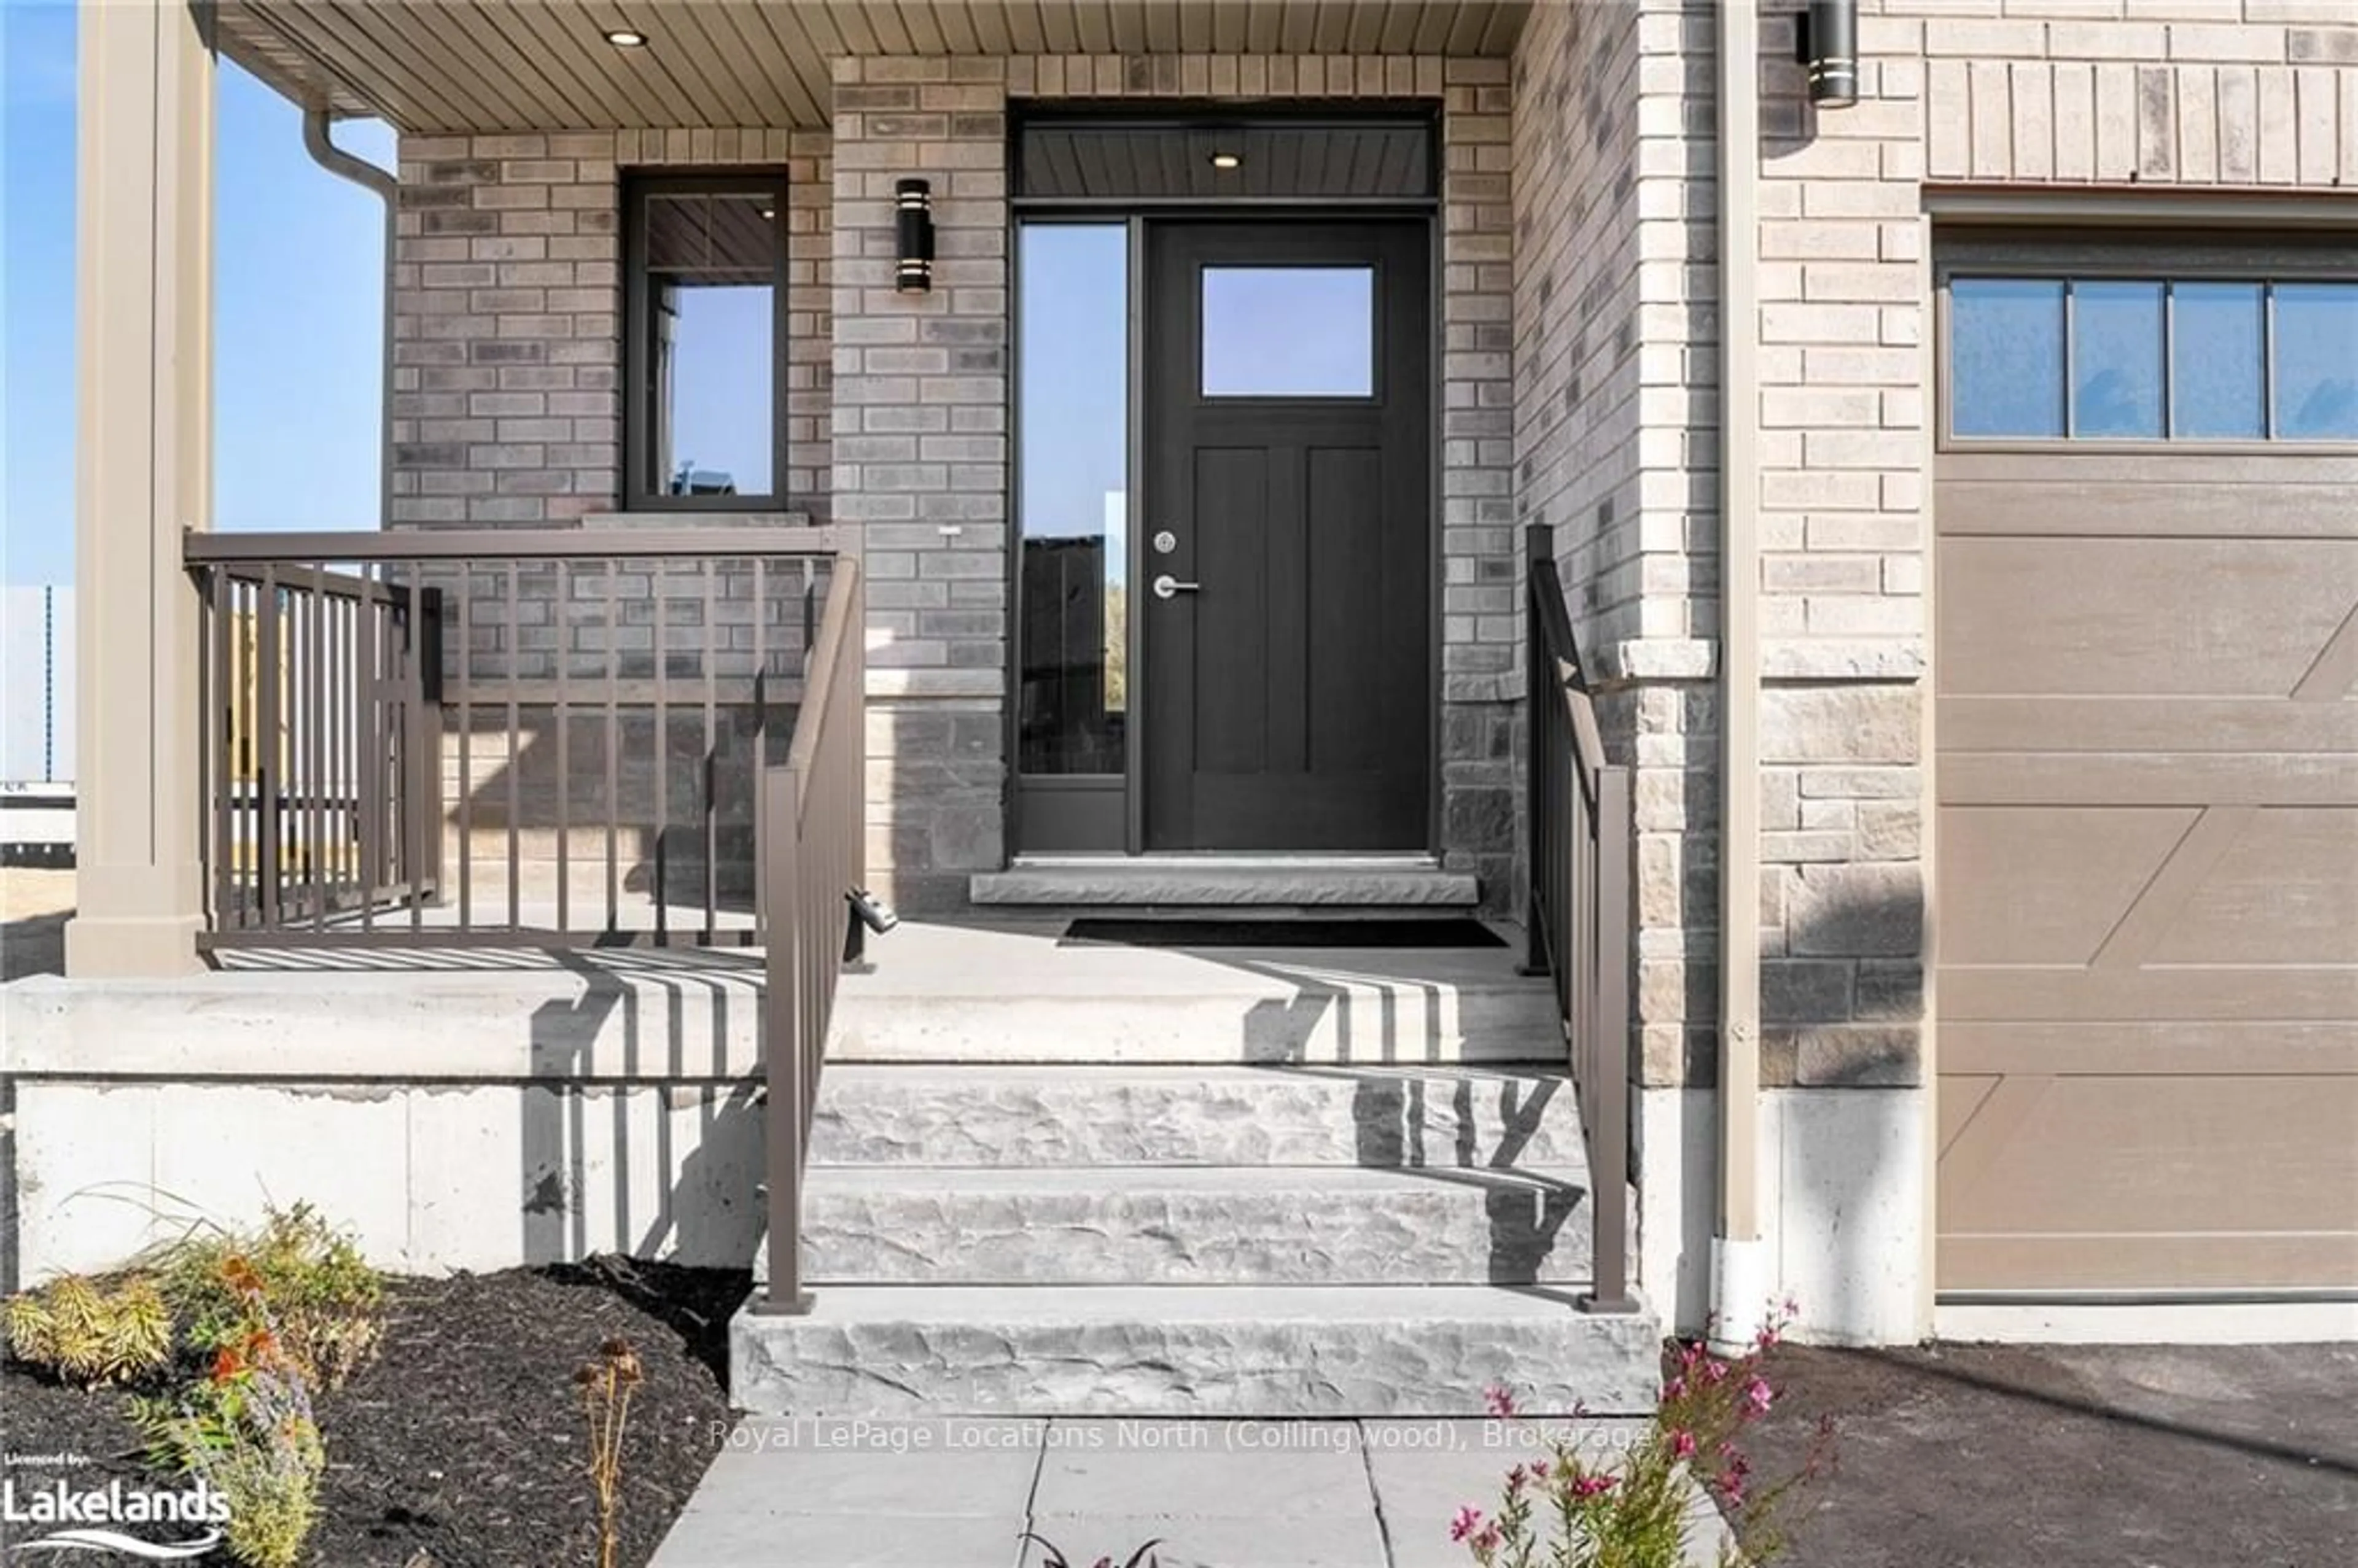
1226	161
624	39
769	212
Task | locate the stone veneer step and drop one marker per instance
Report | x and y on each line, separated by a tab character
1181	1225
1267	1351
1076	1115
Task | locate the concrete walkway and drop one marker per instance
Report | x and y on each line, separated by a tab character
959	1493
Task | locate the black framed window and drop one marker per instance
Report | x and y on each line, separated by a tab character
704	421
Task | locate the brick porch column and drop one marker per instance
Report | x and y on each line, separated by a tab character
143	473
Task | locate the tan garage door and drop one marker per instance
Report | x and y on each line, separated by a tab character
2147	842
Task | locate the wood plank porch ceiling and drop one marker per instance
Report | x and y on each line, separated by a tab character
433	66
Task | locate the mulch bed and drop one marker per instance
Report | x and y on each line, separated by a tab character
463	1443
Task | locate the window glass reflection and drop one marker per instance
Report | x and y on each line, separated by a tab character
1288	331
2219	334
710	325
2316	360
1072	479
2007	356
2116	359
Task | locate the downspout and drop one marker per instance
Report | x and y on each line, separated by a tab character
1740	1276
359	171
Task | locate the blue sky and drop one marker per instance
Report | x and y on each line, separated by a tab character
298	303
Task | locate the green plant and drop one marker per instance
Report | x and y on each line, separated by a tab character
322	1298
246	1429
1578	1509
606	1385
90	1334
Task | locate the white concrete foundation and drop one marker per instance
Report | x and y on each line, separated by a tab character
1843	1175
454	1121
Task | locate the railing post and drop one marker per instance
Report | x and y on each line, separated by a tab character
1608	1107
783	1046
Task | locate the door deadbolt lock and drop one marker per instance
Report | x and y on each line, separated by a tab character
1169	587
1165	541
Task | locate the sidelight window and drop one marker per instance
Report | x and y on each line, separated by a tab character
1073	485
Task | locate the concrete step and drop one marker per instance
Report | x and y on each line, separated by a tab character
1263	1351
988	1115
942	993
1179	1224
1181	883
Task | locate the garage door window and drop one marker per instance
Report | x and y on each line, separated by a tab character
2152	359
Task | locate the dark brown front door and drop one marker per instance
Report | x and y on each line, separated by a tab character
1284	590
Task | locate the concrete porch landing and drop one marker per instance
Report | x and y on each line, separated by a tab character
959	1494
1021	994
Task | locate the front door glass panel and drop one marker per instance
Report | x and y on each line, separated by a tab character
1288	331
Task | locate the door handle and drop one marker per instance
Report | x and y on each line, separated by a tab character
1169	587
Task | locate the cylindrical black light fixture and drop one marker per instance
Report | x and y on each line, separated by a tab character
1826	42
913	223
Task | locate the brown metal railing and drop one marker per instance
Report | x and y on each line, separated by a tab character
811	830
428	738
1581	922
545	739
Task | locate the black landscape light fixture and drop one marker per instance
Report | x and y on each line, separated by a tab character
1825	42
913	224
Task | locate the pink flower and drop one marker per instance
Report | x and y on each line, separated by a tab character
1487	1540
1539	1470
1501	1400
1730	1487
1758	1396
1675	1390
1517	1479
1593	1486
1468	1520
1682	1445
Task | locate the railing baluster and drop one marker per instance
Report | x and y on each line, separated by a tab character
662	754
562	662
421	740
710	770
613	749
466	746
514	635
269	764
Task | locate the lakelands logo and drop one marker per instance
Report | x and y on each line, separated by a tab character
89	1514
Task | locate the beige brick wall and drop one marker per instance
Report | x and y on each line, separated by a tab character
507	336
920	422
2258	96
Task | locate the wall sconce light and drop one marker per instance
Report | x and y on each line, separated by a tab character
1825	42
912	222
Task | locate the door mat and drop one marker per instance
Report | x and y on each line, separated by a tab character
1449	931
